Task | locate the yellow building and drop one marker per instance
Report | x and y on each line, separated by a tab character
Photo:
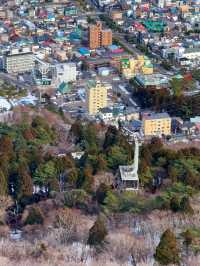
147	70
184	8
96	96
127	73
115	15
128	67
156	124
132	66
132	63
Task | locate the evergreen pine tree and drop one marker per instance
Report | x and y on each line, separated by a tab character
175	204
88	179
101	193
97	233
3	184
185	205
6	146
25	182
167	251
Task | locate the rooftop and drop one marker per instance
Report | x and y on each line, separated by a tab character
127	173
152	80
93	83
151	116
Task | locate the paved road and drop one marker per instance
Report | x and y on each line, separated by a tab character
14	81
120	37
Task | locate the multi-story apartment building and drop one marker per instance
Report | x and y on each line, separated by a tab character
18	61
155	124
96	96
95	35
99	37
106	37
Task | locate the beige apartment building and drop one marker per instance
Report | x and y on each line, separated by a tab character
156	124
18	61
106	37
96	96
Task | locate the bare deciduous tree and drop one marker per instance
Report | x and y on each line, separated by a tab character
66	223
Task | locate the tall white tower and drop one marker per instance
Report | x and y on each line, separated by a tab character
129	173
136	157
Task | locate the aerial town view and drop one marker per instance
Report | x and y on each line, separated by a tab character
99	132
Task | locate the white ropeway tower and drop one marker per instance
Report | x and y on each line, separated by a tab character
136	156
129	173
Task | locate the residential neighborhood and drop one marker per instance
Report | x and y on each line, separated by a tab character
99	132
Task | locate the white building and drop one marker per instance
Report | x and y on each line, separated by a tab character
106	114
65	72
4	104
188	56
18	61
77	155
104	2
161	3
189	53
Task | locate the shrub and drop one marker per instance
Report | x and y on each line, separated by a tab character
185	205
40	249
66	222
101	193
112	202
188	237
192	238
76	197
35	216
175	204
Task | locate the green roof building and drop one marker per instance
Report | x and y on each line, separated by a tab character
154	26
64	87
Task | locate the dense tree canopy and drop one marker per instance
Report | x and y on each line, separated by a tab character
176	103
24	163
